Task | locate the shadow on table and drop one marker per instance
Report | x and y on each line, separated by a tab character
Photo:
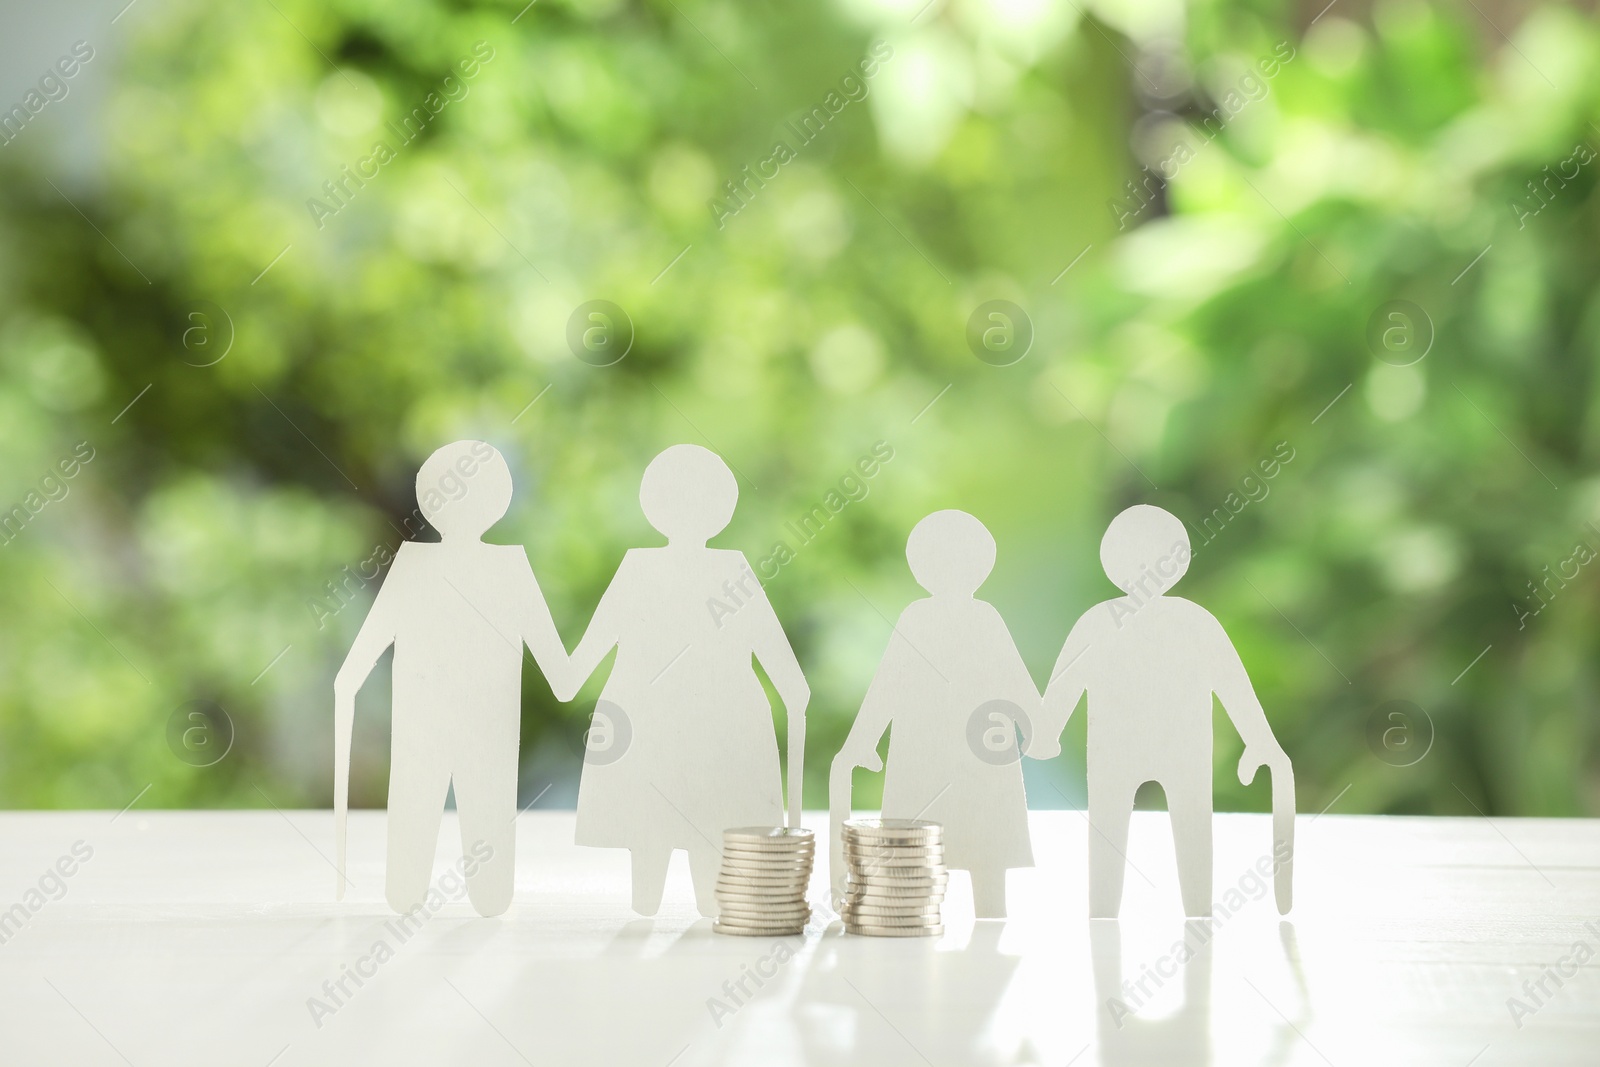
1129	1032
876	1001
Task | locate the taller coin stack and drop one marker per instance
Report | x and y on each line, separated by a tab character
896	877
761	891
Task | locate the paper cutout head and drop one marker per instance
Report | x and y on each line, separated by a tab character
688	494
463	489
950	553
1145	550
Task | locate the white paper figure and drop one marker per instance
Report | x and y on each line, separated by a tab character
458	613
1150	664
953	691
692	750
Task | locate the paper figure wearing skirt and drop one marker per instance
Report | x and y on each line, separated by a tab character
691	748
952	691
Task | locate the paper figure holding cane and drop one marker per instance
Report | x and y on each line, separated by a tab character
457	613
1150	664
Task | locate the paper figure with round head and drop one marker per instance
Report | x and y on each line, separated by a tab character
1150	664
457	613
953	693
683	744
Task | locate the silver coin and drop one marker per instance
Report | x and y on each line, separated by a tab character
798	876
889	859
892	826
757	914
906	904
785	898
930	852
876	878
912	833
765	861
866	913
799	918
898	903
914	915
778	896
893	840
761	852
765	917
910	892
760	886
856	852
783	904
891	902
867	930
765	892
766	858
767	876
758	931
774	834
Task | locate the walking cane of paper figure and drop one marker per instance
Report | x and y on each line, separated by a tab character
1150	664
458	613
840	788
693	749
953	691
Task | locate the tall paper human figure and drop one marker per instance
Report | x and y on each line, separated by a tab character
953	691
691	748
1150	664
458	613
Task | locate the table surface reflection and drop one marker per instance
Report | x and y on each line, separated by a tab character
213	938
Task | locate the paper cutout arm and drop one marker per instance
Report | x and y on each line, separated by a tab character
1261	749
1017	685
598	639
776	656
377	633
1238	696
860	747
1068	681
538	631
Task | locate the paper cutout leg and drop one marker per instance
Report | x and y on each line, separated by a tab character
419	781
704	863
488	835
1110	807
649	878
1150	664
989	894
1189	807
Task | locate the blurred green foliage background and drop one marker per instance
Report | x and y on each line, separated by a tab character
1184	330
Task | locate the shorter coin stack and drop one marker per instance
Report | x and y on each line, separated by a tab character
895	877
761	891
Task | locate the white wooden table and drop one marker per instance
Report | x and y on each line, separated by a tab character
201	937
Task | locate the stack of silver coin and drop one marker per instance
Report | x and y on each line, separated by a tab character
895	878
761	891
